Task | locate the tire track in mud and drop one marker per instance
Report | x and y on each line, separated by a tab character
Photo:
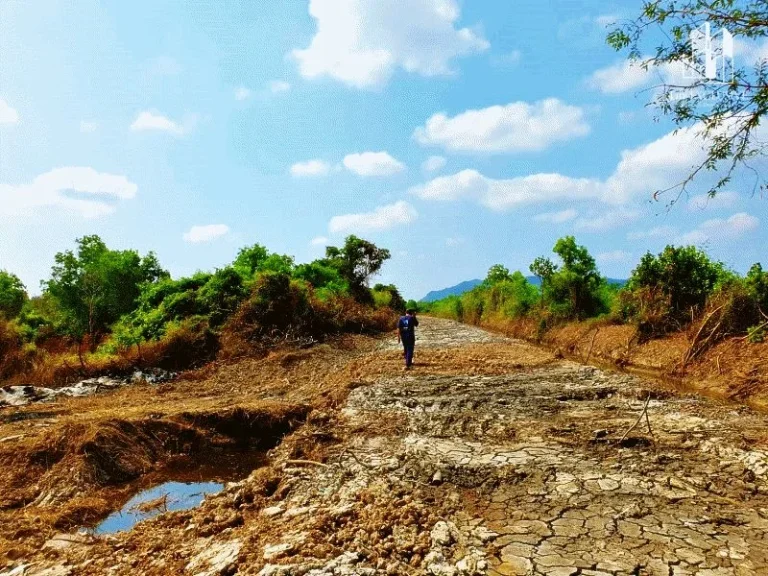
457	468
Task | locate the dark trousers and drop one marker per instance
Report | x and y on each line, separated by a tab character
408	346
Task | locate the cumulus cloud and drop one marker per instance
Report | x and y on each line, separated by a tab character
557	217
242	93
362	42
319	241
382	218
150	120
277	86
433	164
81	190
206	233
8	115
310	168
720	230
502	194
640	172
514	127
373	164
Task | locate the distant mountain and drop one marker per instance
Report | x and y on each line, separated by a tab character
459	289
452	291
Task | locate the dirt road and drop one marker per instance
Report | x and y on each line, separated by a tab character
489	457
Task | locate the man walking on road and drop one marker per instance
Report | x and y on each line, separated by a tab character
406	333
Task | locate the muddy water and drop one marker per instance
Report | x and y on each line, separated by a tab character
168	497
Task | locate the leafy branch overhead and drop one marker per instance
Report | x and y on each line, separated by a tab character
726	115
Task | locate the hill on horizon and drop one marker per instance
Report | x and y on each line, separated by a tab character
468	285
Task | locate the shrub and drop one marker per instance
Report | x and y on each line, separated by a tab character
13	295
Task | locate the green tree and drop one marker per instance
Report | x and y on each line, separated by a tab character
683	274
726	114
757	285
249	259
575	288
13	295
95	286
497	273
357	261
389	295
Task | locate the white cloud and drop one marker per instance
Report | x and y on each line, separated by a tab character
623	76
719	230
505	194
277	86
382	218
373	164
199	234
319	241
362	42
8	115
724	199
630	74
454	241
613	256
433	164
515	127
242	93
557	217
656	232
310	168
79	189
149	120
641	171
88	127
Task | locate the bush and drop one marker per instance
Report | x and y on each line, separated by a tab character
666	292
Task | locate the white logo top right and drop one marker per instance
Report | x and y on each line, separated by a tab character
712	55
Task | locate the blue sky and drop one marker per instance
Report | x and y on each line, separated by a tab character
456	134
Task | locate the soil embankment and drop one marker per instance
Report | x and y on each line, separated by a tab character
492	456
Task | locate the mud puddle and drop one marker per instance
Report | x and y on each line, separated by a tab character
167	497
182	485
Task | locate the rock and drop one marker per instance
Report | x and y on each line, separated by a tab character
272	551
214	557
276	570
485	535
437	478
272	511
444	534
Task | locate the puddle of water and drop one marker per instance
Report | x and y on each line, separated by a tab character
166	497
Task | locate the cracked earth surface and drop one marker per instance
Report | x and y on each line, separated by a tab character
520	468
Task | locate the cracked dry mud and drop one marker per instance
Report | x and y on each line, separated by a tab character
520	472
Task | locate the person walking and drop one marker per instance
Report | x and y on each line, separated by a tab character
406	334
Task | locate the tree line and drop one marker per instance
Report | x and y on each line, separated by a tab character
665	292
100	301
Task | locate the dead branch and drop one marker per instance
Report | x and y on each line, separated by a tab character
591	344
644	412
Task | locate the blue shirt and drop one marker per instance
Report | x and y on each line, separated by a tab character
406	325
